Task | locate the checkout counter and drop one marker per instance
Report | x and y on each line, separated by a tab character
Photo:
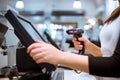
26	68
60	73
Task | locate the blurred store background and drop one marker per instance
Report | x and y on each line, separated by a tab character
56	16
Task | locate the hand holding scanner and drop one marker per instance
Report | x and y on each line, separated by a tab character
77	33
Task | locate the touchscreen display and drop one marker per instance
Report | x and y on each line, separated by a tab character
29	28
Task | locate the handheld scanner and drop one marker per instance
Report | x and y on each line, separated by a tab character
77	33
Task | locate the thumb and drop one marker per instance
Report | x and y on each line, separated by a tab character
37	41
81	39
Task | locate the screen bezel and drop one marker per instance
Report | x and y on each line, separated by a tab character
27	39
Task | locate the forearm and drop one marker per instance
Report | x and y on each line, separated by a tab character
93	49
74	61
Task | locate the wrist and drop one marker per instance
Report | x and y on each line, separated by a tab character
88	46
59	57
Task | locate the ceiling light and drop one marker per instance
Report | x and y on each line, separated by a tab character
77	4
20	4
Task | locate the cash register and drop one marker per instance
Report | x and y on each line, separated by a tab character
27	34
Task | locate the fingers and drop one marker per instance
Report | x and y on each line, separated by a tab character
34	45
77	43
78	40
31	47
40	57
74	39
79	47
37	41
37	51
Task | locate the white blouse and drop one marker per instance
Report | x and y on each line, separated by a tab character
109	36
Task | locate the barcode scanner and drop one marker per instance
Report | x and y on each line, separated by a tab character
77	33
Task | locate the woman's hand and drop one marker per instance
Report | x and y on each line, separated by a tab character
44	52
78	45
89	46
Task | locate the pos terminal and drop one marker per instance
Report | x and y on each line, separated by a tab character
27	35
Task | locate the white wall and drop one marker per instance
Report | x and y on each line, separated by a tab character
110	8
11	40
